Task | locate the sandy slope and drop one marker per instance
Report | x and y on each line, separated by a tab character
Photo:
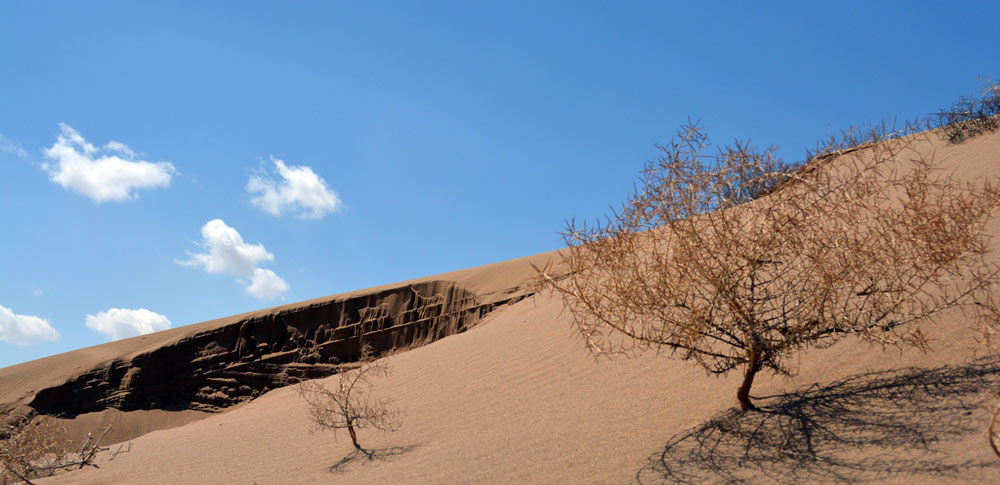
514	400
518	400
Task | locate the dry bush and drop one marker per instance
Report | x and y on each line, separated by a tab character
352	404
31	449
971	116
855	242
25	447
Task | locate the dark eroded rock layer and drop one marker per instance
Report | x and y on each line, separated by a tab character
233	363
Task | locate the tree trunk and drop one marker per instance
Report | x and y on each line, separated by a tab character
354	436
743	394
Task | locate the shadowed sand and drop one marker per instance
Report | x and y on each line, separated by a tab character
517	399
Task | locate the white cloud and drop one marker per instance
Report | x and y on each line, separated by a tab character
266	285
10	146
226	252
24	329
300	190
102	174
119	323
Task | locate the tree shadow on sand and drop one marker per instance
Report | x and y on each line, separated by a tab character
860	428
370	455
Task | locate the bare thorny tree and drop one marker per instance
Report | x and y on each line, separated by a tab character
352	405
734	260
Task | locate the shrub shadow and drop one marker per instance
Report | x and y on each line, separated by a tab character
376	454
861	428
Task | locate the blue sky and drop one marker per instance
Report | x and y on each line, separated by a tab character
140	142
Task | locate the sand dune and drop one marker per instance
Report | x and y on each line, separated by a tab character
511	396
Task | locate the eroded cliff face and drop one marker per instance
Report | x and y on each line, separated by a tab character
233	363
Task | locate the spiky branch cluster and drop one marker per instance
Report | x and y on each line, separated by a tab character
30	449
971	116
24	448
855	242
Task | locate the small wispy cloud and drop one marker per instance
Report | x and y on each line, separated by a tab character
119	323
109	173
227	253
296	189
24	329
10	146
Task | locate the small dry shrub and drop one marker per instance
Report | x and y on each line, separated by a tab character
351	405
25	448
31	448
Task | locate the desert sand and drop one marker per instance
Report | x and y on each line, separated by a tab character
503	391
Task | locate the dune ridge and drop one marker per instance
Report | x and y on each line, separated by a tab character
517	399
